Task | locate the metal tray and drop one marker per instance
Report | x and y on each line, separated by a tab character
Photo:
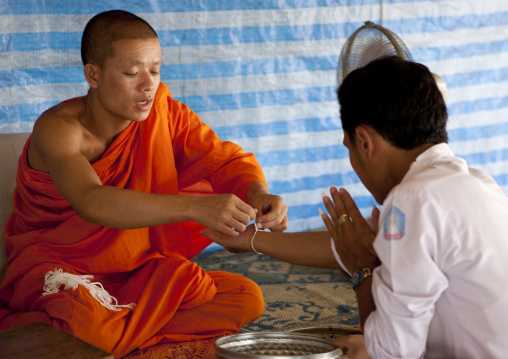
275	346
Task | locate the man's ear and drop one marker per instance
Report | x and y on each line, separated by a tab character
92	73
364	140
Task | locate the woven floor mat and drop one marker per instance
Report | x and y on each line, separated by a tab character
299	299
296	297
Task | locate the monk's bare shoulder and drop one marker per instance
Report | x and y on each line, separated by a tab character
58	131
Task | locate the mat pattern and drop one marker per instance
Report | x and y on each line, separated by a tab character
297	298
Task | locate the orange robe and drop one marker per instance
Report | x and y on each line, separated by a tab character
175	299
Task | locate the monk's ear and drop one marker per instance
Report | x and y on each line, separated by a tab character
364	140
92	73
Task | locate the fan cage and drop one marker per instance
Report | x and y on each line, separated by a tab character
368	43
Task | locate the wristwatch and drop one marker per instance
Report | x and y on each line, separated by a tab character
359	276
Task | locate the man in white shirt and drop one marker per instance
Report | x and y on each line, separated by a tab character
430	275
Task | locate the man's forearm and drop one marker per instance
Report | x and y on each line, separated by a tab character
366	304
310	249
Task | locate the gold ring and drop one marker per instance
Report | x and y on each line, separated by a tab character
343	219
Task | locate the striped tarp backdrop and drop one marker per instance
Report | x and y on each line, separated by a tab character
261	73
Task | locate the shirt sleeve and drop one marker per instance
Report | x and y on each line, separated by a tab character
409	281
201	154
337	257
336	254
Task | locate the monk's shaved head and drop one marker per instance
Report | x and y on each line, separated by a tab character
105	29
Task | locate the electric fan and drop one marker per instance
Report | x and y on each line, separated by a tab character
371	42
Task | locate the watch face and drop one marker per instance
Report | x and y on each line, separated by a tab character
357	278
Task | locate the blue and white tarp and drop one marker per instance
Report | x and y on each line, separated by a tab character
262	74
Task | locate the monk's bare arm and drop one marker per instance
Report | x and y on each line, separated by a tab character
57	144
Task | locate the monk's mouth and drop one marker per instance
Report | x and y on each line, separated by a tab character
144	105
144	102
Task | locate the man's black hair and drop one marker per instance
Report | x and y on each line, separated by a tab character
397	98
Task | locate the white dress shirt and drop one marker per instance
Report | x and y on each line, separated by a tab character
442	288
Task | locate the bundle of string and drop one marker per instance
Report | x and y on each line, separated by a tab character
53	281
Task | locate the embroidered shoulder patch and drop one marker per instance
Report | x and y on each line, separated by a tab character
394	224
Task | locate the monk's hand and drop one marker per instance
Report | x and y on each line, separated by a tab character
271	209
224	213
234	244
353	345
272	212
352	235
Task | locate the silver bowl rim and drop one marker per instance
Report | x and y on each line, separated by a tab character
226	353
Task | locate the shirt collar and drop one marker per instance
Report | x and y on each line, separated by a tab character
428	157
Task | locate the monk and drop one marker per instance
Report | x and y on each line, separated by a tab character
100	240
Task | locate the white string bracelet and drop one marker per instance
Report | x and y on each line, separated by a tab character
252	239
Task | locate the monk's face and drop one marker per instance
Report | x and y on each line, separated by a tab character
129	79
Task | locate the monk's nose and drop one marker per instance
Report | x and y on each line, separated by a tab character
148	83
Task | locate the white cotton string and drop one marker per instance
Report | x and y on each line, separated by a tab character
252	239
54	280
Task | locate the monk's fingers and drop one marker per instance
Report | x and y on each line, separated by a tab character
272	212
226	224
273	221
239	217
237	224
276	225
229	205
243	212
280	227
231	224
225	210
274	204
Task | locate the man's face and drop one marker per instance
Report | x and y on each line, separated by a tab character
130	78
371	174
354	157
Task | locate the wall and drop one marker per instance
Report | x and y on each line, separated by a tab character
262	74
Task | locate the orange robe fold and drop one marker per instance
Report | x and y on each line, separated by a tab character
175	299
